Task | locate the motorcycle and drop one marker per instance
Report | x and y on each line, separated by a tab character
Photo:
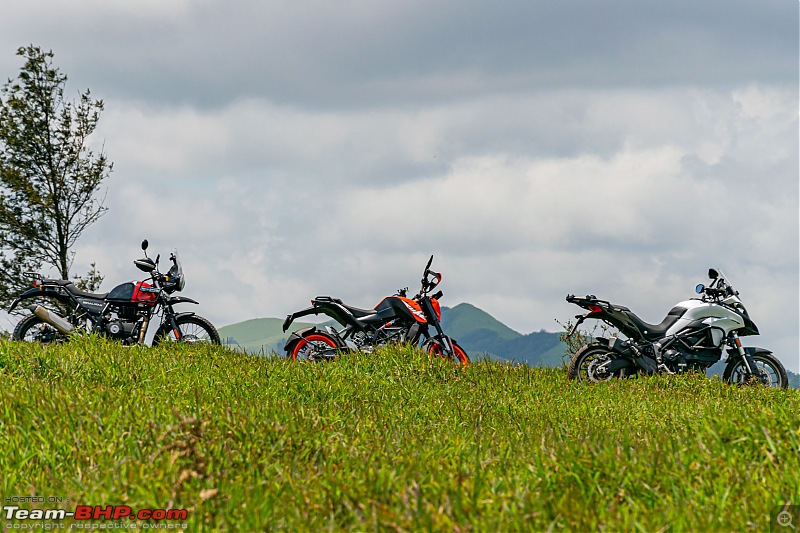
395	319
691	337
123	314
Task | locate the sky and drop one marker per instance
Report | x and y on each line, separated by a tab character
289	149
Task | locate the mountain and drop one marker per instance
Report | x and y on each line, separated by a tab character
479	333
258	335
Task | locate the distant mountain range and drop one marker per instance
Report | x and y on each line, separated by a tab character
479	333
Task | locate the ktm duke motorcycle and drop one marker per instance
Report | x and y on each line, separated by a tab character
395	319
691	337
123	314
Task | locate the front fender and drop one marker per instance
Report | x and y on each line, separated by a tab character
181	300
749	351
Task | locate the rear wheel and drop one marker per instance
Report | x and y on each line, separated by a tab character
194	329
768	372
435	348
314	347
590	363
34	329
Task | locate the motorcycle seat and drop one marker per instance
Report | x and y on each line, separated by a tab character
655	331
358	312
83	294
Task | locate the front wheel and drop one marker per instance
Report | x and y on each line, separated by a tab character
34	329
314	347
768	372
590	363
194	329
435	348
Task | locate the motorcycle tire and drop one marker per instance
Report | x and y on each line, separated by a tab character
34	329
436	349
583	363
769	366
311	347
194	329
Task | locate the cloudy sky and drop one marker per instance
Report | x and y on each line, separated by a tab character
537	148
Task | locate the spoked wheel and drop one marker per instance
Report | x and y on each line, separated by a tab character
34	329
590	363
435	348
768	372
314	347
194	329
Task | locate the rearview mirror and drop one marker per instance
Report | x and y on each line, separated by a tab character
700	288
145	244
712	273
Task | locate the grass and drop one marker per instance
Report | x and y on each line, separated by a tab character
389	441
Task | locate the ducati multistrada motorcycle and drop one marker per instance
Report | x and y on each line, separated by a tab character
691	337
123	314
395	319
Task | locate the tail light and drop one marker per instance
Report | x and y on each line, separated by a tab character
595	309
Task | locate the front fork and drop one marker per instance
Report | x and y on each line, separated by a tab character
734	341
169	318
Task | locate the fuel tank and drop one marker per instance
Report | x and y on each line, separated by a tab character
700	314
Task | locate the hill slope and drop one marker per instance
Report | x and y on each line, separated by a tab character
258	335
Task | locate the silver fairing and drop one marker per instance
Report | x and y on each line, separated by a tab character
710	314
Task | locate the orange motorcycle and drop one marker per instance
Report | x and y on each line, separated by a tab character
396	319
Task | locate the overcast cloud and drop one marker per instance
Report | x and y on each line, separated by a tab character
290	149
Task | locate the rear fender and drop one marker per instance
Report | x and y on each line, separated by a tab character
297	336
36	292
325	305
300	334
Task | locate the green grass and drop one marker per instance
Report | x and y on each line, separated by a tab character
389	441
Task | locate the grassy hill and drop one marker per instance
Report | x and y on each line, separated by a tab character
388	441
259	335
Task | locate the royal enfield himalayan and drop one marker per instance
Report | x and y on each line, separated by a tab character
123	314
691	337
395	319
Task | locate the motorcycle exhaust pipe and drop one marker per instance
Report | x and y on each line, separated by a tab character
55	320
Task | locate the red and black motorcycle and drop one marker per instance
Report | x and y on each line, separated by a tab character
396	319
123	314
